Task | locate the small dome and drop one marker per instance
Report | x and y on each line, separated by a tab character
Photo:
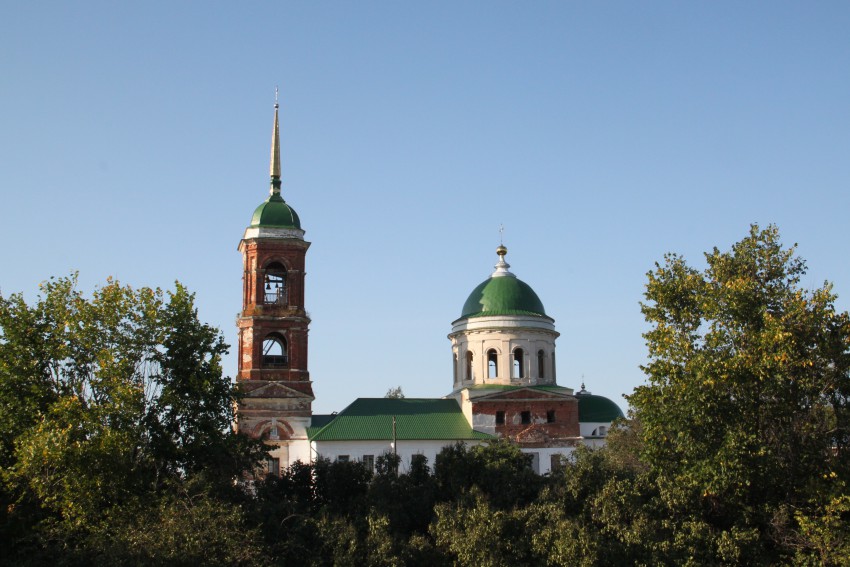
597	409
502	294
275	213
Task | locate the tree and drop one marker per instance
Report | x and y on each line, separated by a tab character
394	393
746	411
498	469
473	533
109	401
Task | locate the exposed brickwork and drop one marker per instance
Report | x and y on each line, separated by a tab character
273	392
538	431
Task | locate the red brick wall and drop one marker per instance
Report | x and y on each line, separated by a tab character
539	431
288	320
273	392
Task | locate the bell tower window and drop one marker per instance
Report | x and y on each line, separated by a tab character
275	285
519	364
492	363
468	374
541	363
274	352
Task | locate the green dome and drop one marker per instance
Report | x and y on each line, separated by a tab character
275	213
505	295
597	409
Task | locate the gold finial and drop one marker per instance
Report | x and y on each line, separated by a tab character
274	169
501	250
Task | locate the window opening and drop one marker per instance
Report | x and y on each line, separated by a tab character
342	459
275	285
454	367
500	418
273	466
556	462
535	462
541	363
274	352
369	462
468	365
518	364
550	416
492	363
554	375
526	417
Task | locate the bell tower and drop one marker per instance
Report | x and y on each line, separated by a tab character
273	325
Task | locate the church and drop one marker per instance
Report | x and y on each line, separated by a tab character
503	377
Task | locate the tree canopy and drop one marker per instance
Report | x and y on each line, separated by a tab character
745	416
108	402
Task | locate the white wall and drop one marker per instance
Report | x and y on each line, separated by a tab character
542	463
405	449
503	334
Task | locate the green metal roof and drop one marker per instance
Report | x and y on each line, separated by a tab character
502	296
371	419
597	409
275	213
318	421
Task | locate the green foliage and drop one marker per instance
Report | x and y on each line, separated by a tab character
110	401
746	406
475	533
825	533
179	530
394	393
498	469
406	500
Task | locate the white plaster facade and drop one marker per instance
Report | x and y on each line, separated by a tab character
356	451
594	433
405	449
288	450
499	337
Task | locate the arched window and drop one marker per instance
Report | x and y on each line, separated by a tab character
554	375
492	363
274	352
468	374
541	364
275	284
454	367
519	363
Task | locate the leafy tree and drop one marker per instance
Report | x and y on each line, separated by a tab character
406	501
825	534
110	401
341	485
746	408
499	469
474	533
394	393
176	530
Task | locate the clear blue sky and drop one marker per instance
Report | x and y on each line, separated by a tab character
134	142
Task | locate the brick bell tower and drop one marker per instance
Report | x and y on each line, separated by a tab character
273	326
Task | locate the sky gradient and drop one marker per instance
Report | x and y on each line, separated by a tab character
134	143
